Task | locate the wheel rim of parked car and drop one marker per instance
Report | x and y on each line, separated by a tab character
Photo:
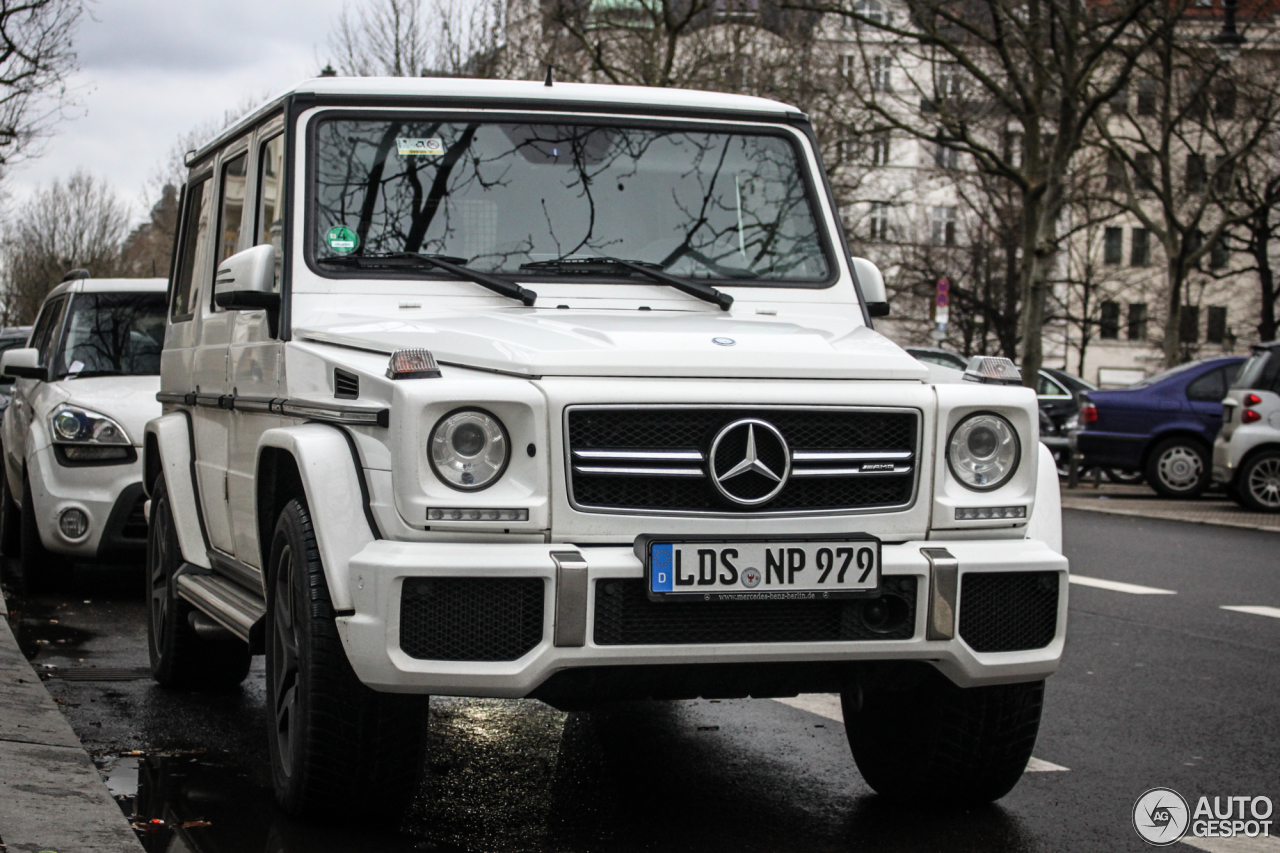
1264	482
1180	467
159	555
284	642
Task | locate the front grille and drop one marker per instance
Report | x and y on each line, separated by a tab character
657	459
135	523
625	616
1008	611
470	618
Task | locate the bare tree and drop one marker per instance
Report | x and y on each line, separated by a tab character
79	224
402	38
1014	85
35	58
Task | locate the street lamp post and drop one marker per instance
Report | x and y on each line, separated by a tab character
1228	40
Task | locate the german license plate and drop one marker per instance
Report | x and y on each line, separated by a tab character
755	569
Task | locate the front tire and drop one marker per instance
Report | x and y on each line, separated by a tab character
337	747
938	743
1179	468
1258	484
180	658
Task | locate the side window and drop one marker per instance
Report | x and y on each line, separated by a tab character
231	216
1210	388
271	199
195	241
47	333
1049	388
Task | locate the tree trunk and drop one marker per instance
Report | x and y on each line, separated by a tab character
1039	250
1261	227
1173	319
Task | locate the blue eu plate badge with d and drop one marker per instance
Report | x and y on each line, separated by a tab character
660	568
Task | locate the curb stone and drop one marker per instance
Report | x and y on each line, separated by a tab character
51	796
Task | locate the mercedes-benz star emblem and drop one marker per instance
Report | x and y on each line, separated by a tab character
758	462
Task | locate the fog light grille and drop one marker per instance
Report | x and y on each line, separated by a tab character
1008	611
483	619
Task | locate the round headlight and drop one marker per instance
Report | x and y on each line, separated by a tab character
468	449
983	451
67	425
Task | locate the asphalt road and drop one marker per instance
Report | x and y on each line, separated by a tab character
1155	690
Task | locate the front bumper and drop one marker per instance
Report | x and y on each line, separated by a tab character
110	495
371	632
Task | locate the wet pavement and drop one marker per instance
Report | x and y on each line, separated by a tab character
1154	690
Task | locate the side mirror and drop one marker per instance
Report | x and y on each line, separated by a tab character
872	284
246	281
23	363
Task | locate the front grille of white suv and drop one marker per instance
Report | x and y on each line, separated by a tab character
658	459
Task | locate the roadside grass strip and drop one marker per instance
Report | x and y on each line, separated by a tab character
828	705
1238	844
1117	586
1273	612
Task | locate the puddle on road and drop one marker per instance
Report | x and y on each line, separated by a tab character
195	801
40	628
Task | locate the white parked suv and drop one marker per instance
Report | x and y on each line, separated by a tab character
84	388
498	389
1246	453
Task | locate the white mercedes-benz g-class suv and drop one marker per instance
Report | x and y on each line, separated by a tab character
486	388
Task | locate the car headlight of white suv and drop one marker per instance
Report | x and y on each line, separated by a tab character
87	436
469	449
983	451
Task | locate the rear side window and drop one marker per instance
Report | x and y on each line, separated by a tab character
1049	388
1210	388
195	240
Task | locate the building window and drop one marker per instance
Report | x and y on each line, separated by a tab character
1144	171
1216	328
879	220
1219	256
1196	173
1224	99
1120	100
943	226
880	148
1222	174
1140	248
1109	321
1137	321
1113	246
882	74
1189	324
945	157
870	10
737	10
947	83
1115	171
848	65
1147	88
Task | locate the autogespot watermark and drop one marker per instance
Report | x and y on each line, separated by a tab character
1162	817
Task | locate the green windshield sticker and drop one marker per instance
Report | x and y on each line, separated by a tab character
342	240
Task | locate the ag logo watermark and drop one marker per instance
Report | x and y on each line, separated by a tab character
1162	817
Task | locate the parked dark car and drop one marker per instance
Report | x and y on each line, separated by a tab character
1163	426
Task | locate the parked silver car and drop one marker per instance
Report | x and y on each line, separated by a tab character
1246	454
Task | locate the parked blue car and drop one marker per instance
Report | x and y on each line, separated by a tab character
1163	426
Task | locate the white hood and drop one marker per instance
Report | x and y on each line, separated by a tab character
128	400
551	342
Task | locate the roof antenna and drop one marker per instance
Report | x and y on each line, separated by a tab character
548	82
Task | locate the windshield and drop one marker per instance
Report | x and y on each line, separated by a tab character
112	333
699	204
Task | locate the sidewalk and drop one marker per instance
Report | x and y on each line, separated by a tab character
51	796
1212	508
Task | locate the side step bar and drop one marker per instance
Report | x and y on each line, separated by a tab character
227	603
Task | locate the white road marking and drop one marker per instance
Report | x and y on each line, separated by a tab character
1273	612
828	705
1241	844
1117	586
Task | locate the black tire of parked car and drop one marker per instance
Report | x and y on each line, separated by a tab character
1257	486
10	518
338	748
180	657
944	744
1178	467
40	569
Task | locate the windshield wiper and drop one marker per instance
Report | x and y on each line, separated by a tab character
654	272
90	374
454	266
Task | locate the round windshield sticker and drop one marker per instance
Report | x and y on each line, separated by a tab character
342	240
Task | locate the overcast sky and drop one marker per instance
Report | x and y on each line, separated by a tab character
153	69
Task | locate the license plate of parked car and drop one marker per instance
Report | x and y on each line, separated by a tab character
746	570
